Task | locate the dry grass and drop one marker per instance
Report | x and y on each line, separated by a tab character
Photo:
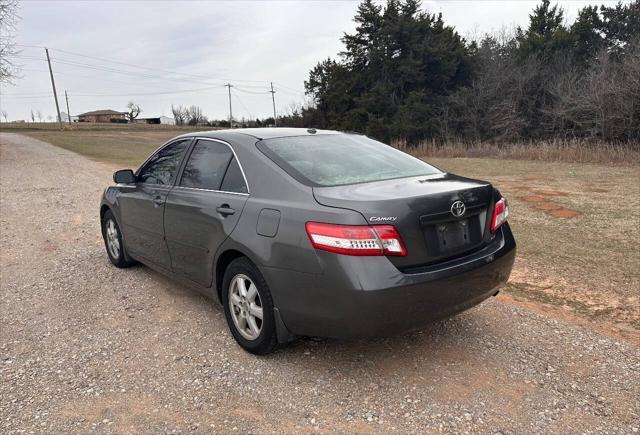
577	151
571	151
19	127
125	147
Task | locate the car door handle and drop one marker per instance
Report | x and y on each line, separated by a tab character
158	201
225	210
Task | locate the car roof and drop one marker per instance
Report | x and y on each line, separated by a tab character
263	133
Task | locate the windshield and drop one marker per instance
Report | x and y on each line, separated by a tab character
333	160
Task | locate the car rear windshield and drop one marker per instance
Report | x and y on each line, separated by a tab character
333	160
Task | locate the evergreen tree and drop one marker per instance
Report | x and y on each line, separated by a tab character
405	74
395	71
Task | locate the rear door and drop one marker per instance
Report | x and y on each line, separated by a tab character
142	206
203	208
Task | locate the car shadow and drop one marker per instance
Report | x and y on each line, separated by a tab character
457	339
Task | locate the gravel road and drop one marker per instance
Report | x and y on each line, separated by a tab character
85	347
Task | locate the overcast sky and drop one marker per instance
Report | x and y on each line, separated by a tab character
188	50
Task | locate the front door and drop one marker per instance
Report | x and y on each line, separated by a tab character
203	209
142	207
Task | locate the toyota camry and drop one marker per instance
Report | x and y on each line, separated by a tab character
304	232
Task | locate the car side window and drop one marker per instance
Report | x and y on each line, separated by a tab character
163	166
233	179
206	166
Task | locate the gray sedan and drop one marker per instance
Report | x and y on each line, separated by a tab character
308	232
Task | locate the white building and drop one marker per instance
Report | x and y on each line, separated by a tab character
64	117
165	120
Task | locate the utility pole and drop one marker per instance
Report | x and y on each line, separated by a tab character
53	85
273	100
228	85
66	97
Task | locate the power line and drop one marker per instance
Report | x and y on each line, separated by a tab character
297	91
105	68
136	82
153	69
29	46
181	91
133	71
251	92
27	98
116	71
89	94
243	106
292	94
21	56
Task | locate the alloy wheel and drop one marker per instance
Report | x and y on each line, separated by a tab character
245	306
113	242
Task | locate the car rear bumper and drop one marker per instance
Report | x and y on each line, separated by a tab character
368	296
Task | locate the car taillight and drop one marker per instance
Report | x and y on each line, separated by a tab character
500	214
356	239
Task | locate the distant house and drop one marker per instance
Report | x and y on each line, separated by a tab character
65	117
103	116
165	120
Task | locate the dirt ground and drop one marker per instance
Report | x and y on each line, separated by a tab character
86	347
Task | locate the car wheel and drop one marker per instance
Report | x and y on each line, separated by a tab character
248	307
113	241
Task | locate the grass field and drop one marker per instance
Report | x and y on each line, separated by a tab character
91	126
124	147
577	225
558	150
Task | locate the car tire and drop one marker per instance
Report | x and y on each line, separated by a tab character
245	296
113	243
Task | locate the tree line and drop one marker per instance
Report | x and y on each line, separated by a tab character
193	116
405	74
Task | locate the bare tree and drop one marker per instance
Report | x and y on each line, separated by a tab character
8	19
39	115
194	116
179	114
33	116
134	110
5	115
613	90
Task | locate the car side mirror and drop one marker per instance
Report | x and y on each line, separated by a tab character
124	176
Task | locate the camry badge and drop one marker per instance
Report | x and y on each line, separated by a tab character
458	208
383	218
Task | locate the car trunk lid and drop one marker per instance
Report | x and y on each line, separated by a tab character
420	208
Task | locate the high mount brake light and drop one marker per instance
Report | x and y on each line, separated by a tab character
500	214
356	239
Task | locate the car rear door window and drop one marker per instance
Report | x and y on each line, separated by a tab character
162	167
206	166
234	179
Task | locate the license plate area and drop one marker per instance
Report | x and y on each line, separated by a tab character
453	235
447	238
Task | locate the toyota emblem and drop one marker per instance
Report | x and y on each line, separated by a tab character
458	208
